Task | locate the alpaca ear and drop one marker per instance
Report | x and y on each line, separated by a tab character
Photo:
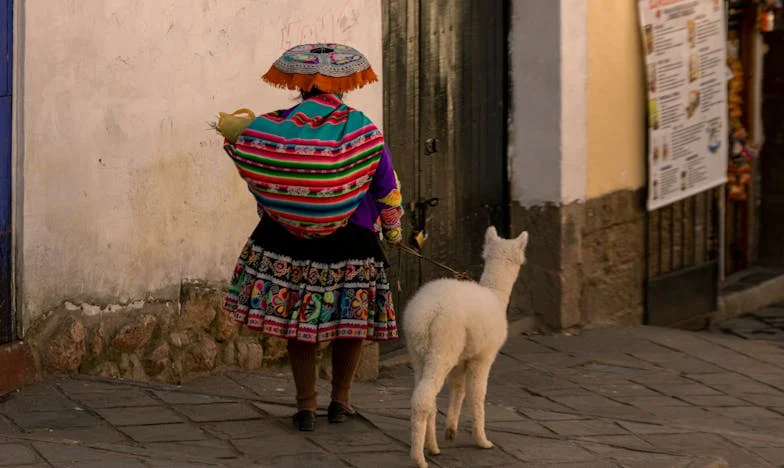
491	234
522	240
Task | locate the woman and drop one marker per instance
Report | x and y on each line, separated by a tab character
313	271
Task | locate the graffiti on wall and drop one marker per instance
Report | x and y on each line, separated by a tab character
329	27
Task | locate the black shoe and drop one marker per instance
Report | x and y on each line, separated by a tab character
305	420
338	413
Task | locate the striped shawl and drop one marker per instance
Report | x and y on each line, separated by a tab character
309	170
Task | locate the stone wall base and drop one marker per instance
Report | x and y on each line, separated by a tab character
549	283
614	259
162	341
585	261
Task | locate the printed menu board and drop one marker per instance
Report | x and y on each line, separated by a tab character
685	60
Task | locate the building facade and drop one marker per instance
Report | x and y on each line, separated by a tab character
579	172
121	217
121	194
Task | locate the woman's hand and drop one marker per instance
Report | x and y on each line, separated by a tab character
393	236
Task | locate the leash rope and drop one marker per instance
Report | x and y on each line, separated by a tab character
457	274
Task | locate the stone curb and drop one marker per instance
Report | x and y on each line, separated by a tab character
750	299
17	366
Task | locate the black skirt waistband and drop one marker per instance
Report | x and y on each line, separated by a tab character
349	242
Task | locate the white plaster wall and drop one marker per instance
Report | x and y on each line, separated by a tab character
126	191
535	137
574	100
548	154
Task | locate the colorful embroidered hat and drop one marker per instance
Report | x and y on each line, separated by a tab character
332	68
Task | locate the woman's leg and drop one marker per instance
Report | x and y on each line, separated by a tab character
302	357
345	359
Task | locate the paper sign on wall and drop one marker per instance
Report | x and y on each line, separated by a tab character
685	58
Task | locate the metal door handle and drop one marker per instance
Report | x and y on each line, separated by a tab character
420	219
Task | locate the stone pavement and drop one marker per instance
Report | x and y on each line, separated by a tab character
616	397
764	324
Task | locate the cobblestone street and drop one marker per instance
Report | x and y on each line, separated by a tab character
616	397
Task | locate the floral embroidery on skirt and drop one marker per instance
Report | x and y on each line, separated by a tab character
311	301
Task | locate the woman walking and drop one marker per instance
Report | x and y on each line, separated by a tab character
313	271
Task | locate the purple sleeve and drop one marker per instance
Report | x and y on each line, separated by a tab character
384	179
385	190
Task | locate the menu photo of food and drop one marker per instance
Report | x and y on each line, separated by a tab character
693	103
653	113
691	30
649	39
661	149
652	77
665	150
656	152
694	67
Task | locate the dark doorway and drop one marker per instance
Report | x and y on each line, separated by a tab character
445	120
772	154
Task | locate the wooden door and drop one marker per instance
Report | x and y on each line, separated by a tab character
445	93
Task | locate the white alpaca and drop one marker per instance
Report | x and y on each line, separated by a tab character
455	329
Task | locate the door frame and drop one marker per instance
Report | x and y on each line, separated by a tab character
17	163
14	141
7	309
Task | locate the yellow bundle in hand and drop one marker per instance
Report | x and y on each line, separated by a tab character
231	125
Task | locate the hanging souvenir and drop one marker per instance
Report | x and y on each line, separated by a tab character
767	15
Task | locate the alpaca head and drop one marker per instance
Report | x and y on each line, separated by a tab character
511	250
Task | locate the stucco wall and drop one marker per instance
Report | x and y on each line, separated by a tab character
547	155
126	191
616	93
576	135
535	133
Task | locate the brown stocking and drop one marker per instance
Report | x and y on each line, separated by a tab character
345	359
302	357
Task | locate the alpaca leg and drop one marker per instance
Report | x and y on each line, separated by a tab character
457	385
430	436
478	373
423	407
417	364
418	429
431	439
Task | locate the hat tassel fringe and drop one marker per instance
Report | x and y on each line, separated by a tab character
327	84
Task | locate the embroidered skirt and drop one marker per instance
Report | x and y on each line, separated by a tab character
313	290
